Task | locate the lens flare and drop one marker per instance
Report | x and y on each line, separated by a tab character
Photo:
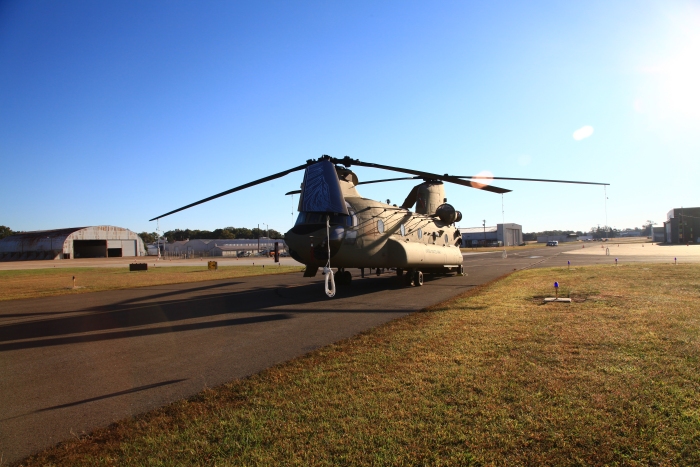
482	179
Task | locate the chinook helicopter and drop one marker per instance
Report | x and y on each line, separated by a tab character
336	223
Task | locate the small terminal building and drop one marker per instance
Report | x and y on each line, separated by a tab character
103	241
682	225
497	235
561	238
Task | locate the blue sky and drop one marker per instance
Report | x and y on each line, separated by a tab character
116	112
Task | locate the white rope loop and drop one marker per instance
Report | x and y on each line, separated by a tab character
327	271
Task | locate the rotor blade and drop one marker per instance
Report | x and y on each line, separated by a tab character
426	175
296	192
389	180
238	188
528	179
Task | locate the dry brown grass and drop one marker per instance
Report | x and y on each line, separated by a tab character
492	378
33	283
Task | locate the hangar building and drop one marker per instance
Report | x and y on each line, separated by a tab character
101	241
682	225
497	235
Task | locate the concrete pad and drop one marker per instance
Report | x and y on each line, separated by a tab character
554	299
640	249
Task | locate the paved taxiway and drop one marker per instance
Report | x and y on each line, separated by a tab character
74	363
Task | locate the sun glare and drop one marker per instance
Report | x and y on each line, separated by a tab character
676	74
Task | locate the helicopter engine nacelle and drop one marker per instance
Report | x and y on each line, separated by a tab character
448	214
427	197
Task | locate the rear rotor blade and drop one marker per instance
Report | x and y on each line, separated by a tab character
232	190
483	177
389	180
296	192
420	174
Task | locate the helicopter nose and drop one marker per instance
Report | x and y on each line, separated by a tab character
312	246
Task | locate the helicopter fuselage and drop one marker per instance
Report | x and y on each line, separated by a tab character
374	235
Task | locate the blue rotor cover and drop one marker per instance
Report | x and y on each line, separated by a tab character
321	192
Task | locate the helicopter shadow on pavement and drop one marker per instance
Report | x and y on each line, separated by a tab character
133	318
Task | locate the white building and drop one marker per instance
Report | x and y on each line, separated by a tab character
497	235
222	247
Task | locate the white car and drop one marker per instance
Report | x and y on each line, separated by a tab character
553	243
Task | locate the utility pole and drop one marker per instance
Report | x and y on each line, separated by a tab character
267	234
605	191
158	238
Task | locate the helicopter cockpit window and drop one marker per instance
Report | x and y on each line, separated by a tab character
336	219
420	233
402	229
380	226
447	239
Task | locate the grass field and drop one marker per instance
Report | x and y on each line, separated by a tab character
30	283
492	378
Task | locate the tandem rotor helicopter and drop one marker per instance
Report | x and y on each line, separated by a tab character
336	223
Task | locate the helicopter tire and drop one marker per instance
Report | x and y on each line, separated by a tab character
418	278
343	278
408	278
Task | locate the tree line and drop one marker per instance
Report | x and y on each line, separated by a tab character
227	233
5	231
595	232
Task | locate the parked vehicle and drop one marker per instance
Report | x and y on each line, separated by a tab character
553	243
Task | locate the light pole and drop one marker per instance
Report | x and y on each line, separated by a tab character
605	193
484	224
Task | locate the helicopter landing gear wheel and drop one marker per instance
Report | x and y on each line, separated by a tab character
407	278
460	270
418	278
343	277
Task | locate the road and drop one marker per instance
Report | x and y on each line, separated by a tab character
71	364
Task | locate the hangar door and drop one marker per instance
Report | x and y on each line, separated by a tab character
89	248
512	237
119	248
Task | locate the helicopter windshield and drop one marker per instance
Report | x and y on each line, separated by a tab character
336	219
